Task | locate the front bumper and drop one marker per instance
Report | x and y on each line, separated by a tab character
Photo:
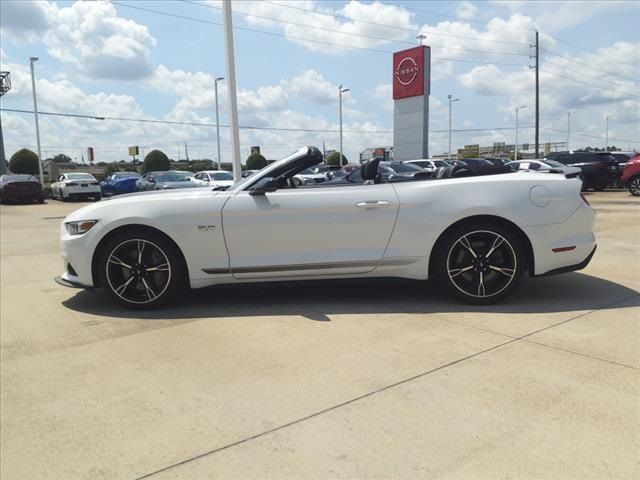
68	280
77	253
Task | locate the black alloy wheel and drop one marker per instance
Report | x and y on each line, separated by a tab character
634	186
141	269
480	264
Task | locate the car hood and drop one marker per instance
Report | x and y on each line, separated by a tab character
96	210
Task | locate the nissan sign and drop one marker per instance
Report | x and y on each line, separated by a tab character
409	73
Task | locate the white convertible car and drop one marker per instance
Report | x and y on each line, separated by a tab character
476	235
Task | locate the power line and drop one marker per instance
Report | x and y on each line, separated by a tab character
468	20
571	60
362	35
590	136
397	27
616	83
590	84
245	127
302	39
588	51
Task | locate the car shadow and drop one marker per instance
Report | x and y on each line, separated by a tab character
316	300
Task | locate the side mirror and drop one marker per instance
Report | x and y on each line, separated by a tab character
263	186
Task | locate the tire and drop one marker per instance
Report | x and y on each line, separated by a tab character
132	283
634	186
97	197
480	263
297	182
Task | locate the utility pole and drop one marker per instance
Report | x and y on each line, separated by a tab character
218	121
537	97
451	100
515	155
569	128
32	60
340	92
186	152
233	101
606	135
5	86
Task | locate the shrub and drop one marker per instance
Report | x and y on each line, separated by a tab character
156	161
333	157
24	161
256	162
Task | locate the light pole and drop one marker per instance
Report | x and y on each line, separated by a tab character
569	127
232	92
32	60
606	135
340	92
451	100
219	79
515	155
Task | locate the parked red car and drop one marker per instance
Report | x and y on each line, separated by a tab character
631	176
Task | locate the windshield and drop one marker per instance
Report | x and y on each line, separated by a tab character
266	170
18	178
222	176
404	168
553	163
440	163
126	175
79	176
171	177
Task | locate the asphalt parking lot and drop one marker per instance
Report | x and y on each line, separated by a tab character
383	379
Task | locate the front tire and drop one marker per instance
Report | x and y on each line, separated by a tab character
480	263
141	269
634	186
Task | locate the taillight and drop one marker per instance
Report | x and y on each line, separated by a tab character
584	198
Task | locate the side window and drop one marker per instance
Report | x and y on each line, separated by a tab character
198	176
534	166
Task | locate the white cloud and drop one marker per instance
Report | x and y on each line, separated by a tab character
383	93
89	35
314	87
466	10
337	31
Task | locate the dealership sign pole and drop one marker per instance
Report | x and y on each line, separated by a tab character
411	85
233	101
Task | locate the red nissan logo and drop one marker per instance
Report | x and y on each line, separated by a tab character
407	71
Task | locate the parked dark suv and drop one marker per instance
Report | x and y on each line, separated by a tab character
599	169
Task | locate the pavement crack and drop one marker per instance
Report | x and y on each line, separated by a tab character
375	392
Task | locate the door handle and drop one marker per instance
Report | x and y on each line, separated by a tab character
373	204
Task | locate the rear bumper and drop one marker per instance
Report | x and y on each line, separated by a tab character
571	268
576	231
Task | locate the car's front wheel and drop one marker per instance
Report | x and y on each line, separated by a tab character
141	269
634	186
480	263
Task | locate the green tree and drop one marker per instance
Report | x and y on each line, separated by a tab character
111	168
156	161
256	162
61	158
333	158
24	161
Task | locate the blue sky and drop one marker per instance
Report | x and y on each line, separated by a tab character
110	59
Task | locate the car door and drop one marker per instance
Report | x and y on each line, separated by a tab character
341	229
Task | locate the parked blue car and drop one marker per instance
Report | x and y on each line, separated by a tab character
119	183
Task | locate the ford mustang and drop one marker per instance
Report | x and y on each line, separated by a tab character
477	234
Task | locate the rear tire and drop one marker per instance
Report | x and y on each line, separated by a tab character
141	269
480	263
634	186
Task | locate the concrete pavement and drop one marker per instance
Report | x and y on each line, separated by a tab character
326	380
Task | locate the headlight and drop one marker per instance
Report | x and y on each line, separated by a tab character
78	228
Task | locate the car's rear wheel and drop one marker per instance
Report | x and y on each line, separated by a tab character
634	186
480	263
141	269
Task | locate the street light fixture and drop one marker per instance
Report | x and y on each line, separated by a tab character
340	92
219	79
569	127
451	100
32	60
606	135
515	156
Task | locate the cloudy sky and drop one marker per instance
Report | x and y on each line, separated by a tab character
156	60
